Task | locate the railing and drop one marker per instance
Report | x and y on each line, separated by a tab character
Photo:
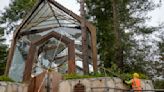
107	89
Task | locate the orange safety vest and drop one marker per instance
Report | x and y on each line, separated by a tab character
136	84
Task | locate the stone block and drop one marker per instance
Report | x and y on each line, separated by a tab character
2	89
20	88
9	88
87	84
98	85
65	87
3	83
14	88
111	85
147	85
25	89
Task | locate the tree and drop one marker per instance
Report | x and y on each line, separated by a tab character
3	53
119	22
15	12
84	37
117	33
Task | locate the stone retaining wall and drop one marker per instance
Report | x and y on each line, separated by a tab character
89	85
99	84
12	87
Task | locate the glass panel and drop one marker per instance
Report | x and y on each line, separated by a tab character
51	53
18	61
67	18
17	66
44	17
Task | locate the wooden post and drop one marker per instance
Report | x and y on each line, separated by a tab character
10	56
94	51
71	58
93	44
29	63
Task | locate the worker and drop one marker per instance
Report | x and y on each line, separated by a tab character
135	83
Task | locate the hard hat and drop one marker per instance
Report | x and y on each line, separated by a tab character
135	75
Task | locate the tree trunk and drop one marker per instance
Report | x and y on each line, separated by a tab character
118	50
84	43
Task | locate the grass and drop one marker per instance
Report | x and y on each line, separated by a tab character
5	78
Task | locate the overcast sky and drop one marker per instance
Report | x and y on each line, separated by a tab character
157	15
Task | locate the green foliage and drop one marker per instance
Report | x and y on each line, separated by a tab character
159	84
5	78
114	71
1	31
3	58
16	11
101	11
77	76
161	47
131	17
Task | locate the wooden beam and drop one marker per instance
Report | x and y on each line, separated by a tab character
56	35
94	51
29	63
35	31
10	56
47	48
71	58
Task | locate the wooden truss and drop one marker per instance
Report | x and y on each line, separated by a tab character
69	43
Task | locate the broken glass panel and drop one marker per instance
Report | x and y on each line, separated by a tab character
18	62
17	67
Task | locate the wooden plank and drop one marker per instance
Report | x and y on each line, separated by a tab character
37	84
71	58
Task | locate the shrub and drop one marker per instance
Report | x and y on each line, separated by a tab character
159	84
5	78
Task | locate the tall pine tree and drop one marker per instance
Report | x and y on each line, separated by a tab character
118	24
